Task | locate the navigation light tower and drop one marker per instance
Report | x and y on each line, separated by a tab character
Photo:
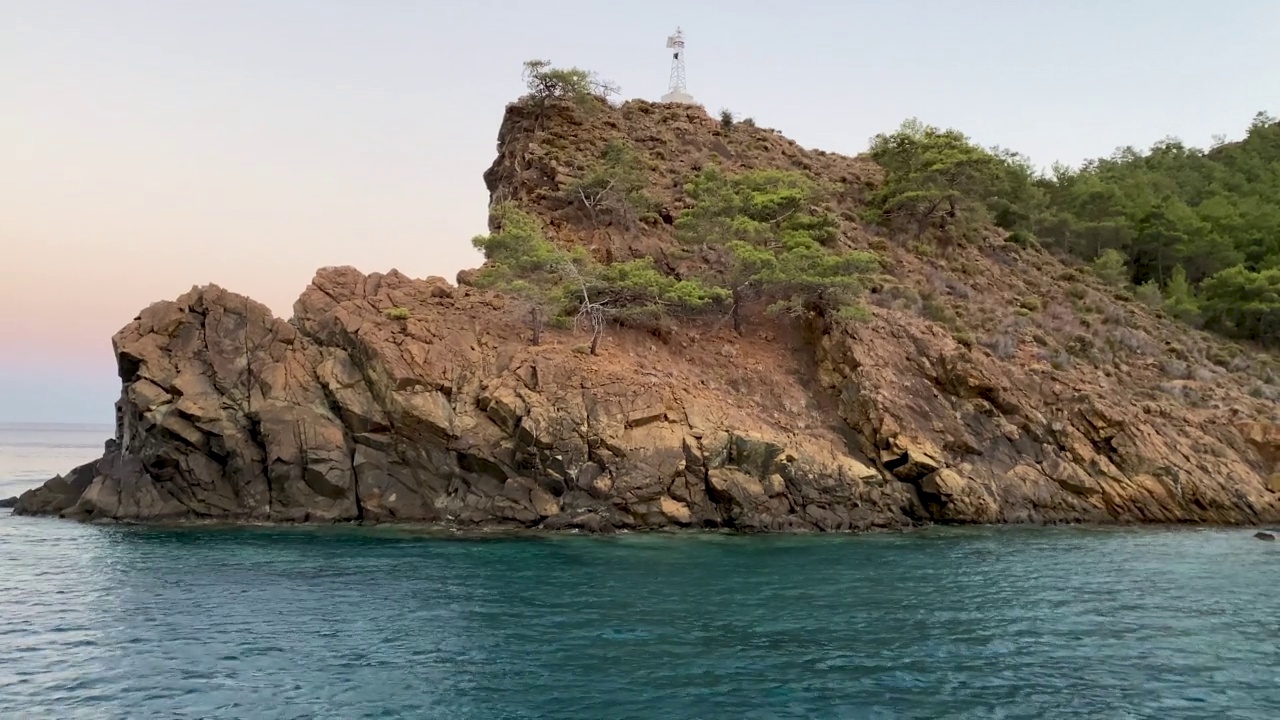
676	92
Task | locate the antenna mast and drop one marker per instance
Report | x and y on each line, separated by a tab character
676	91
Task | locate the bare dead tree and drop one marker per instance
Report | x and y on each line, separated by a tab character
535	322
592	314
594	199
607	201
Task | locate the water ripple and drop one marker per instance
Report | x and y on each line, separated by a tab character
112	622
106	622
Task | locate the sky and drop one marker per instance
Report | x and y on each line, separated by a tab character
152	146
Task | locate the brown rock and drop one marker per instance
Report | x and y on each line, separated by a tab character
236	415
951	496
675	511
544	503
350	412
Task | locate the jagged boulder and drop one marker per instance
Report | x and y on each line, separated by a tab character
1008	443
349	413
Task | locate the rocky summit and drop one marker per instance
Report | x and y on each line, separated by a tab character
990	382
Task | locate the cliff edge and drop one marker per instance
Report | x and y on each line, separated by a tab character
991	383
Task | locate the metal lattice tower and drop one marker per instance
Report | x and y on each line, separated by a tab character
676	44
676	91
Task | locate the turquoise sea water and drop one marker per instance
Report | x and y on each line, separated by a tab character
118	622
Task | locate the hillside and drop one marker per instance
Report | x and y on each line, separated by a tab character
967	377
1198	232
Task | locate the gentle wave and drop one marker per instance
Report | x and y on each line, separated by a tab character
31	454
339	622
47	428
343	623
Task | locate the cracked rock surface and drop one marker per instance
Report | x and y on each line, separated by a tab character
450	416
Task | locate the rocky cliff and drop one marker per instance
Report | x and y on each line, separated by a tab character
993	383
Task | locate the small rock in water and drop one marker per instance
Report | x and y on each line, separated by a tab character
9	502
1264	536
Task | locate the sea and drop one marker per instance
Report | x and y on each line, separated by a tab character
345	622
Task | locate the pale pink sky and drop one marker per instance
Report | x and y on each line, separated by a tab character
150	145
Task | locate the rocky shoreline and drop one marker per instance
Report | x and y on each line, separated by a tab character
457	531
990	384
346	414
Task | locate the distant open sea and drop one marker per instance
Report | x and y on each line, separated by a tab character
34	452
336	622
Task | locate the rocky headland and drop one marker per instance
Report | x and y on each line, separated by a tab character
991	383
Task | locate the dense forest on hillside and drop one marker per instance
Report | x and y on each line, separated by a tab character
1196	232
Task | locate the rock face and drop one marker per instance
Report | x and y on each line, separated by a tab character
448	416
993	384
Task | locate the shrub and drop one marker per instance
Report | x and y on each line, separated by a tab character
1180	300
933	177
581	87
934	308
1111	268
548	281
1148	293
726	120
768	238
1243	304
855	312
1022	238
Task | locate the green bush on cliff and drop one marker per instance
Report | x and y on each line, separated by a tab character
768	239
570	288
802	276
756	206
935	178
636	290
546	83
521	262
